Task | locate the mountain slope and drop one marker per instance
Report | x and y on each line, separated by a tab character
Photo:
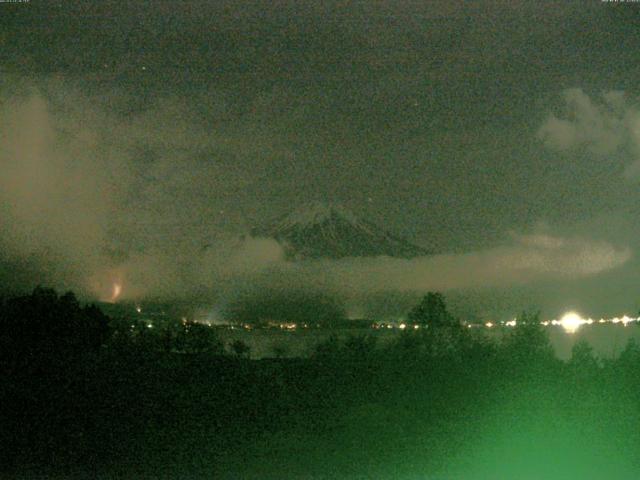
328	231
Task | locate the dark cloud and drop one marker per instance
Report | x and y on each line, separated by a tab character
139	141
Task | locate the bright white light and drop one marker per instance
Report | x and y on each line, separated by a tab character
511	323
571	321
403	326
488	324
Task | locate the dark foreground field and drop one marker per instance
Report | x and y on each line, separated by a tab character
432	405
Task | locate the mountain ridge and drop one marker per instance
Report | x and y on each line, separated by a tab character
322	230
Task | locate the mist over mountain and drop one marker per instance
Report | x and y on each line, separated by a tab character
326	231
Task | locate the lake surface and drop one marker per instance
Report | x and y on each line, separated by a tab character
607	340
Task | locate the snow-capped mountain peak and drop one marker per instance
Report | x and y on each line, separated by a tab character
319	230
314	214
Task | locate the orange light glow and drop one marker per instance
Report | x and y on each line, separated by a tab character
117	290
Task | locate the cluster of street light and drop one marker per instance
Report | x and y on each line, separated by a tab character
570	322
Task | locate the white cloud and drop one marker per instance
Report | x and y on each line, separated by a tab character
75	184
603	127
254	254
528	259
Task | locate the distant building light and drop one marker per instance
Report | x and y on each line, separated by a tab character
571	321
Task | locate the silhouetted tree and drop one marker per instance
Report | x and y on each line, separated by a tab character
328	349
582	356
195	337
169	335
441	334
360	348
431	312
630	355
46	329
527	344
240	349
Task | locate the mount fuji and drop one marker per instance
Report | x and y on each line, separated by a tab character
320	230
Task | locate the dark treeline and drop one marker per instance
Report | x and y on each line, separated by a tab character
87	396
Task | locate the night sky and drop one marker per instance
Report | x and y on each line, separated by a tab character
505	136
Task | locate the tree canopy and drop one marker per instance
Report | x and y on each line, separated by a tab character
431	312
43	325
